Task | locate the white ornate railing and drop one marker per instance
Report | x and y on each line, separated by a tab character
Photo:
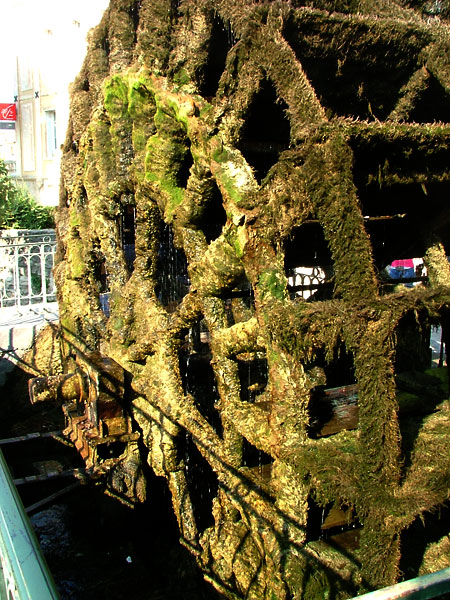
26	267
304	281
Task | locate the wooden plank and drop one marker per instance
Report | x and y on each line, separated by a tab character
333	410
337	517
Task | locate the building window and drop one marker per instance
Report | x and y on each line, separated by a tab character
28	153
25	74
50	133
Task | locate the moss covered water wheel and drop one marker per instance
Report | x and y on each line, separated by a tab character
213	150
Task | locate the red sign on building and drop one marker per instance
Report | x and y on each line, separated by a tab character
7	112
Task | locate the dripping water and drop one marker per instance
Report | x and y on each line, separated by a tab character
172	275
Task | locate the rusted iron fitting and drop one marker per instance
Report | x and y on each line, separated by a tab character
57	389
91	399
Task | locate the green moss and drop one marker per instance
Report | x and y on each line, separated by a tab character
440	373
166	152
161	118
163	172
66	321
141	108
231	189
150	176
115	93
235	240
272	284
118	323
408	403
232	173
140	98
237	246
75	220
141	139
154	145
175	197
181	77
178	113
76	259
170	119
219	153
100	130
206	111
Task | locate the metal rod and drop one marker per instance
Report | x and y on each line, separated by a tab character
31	436
426	587
441	350
48	499
50	475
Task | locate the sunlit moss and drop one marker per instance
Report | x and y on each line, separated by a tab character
142	136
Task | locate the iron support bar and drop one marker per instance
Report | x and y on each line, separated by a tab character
79	473
31	436
51	498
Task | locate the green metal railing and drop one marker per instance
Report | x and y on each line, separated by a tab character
427	587
24	573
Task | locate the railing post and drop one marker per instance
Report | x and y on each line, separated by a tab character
16	276
43	274
28	263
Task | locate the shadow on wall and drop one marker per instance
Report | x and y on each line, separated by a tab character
29	347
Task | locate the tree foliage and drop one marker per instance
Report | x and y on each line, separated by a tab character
18	208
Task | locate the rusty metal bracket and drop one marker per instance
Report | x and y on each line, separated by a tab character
92	402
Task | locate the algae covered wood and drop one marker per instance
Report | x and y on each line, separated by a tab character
212	149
